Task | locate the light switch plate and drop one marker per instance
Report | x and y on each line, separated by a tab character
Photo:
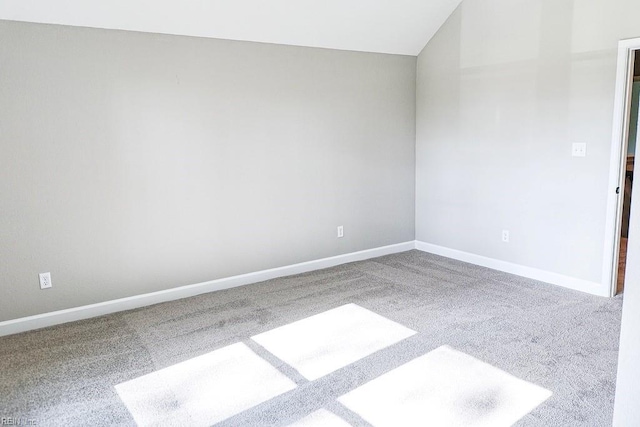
579	149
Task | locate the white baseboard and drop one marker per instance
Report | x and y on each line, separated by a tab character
38	321
24	324
593	288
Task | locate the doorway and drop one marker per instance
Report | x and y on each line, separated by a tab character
629	171
623	151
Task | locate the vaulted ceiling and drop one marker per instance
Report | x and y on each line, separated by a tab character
385	26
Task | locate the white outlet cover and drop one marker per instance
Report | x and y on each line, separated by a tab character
45	280
579	149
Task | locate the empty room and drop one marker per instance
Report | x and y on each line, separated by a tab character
319	213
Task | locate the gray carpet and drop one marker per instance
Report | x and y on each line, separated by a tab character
561	340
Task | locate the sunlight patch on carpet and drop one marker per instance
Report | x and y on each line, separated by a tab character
323	343
445	388
203	390
321	418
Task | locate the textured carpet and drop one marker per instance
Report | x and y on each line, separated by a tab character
558	340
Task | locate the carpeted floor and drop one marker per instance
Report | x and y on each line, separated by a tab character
431	311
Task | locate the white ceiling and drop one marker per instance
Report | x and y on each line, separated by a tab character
386	26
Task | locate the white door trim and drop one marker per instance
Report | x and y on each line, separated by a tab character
619	141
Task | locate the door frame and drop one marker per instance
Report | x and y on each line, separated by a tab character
618	161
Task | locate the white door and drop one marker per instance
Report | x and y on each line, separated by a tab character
627	406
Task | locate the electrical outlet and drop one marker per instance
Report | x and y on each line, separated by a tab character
340	231
505	236
45	281
579	149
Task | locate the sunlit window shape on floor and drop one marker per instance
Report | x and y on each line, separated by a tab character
323	343
321	418
445	388
203	390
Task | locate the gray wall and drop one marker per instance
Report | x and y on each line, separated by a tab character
132	163
504	89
